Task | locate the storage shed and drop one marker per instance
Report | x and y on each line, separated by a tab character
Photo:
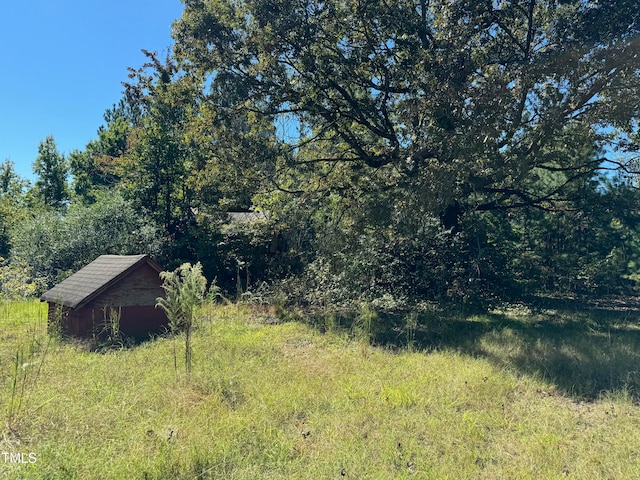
127	284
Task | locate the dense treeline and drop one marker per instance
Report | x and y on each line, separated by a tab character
388	151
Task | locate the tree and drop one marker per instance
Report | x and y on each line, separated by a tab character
101	164
186	164
52	170
12	192
160	157
454	106
11	184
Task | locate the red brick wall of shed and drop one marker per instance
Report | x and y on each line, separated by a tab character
135	321
140	287
57	319
70	322
134	297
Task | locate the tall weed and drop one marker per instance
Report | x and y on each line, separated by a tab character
184	293
411	325
364	326
28	361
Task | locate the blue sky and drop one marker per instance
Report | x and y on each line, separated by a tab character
63	62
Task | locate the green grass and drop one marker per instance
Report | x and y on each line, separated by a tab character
505	395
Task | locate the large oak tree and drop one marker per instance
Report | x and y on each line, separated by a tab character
459	105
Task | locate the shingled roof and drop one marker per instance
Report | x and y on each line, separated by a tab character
95	278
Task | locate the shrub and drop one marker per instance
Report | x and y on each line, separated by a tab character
16	281
53	245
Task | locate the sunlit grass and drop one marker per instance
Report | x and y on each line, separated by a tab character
286	401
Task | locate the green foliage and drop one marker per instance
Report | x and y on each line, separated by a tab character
396	143
52	170
160	155
470	103
12	202
186	165
26	371
364	326
110	336
401	152
184	293
392	266
97	167
17	281
410	326
27	360
11	183
54	245
588	247
102	164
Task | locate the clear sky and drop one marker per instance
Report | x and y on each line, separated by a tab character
63	62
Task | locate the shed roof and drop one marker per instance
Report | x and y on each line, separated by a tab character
95	278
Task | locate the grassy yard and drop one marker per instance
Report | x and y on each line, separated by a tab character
515	394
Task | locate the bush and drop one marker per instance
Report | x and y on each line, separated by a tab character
54	245
16	281
390	269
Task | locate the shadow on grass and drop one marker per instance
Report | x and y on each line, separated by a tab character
102	343
584	349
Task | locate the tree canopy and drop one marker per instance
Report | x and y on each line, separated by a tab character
52	170
402	149
462	105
